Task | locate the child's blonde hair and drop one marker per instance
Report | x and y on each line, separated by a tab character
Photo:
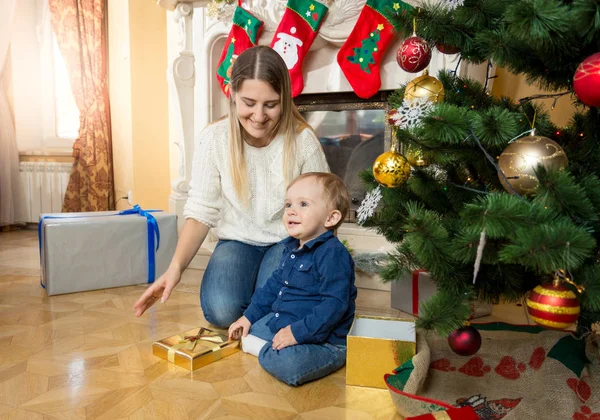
262	63
334	190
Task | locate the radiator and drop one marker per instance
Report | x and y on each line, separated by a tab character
45	184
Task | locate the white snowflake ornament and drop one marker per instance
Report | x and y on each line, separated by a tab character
368	205
451	4
412	111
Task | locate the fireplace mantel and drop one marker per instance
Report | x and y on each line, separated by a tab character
195	42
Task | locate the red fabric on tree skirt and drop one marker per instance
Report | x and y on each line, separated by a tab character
463	413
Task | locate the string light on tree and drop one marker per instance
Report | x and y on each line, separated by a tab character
520	159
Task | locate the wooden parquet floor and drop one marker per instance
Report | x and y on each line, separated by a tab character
86	356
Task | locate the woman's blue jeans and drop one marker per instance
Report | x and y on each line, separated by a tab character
297	364
234	271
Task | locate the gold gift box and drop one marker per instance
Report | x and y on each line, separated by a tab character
195	348
376	346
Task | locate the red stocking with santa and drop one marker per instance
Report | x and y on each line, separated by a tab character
295	34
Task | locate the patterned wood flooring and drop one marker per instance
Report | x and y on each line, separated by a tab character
86	356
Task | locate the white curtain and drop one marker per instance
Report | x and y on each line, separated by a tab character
12	195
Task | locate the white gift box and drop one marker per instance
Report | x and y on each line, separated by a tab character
407	295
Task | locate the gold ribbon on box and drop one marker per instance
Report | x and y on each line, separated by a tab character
209	339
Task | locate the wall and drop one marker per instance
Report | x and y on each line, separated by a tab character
149	103
138	84
119	76
26	76
516	87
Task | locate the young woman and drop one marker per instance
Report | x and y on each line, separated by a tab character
241	168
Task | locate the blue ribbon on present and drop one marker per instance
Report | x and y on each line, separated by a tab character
153	232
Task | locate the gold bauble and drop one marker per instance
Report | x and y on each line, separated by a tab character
425	86
391	169
416	157
520	159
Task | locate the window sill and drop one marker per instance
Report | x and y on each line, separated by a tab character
50	151
46	155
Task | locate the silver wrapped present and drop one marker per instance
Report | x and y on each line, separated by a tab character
100	250
407	295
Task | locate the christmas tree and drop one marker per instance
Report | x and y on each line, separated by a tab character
363	55
470	212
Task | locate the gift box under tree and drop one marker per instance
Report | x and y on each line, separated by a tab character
408	294
100	250
375	347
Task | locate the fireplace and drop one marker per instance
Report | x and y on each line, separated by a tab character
352	132
346	125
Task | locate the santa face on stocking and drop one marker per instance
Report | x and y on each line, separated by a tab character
295	34
287	47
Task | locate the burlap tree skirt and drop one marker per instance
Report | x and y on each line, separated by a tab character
520	372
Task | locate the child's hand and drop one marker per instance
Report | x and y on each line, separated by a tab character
284	338
241	324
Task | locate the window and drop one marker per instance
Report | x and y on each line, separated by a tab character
59	111
66	111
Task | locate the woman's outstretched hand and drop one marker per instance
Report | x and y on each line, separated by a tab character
159	290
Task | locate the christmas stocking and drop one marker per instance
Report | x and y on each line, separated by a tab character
361	54
295	34
243	35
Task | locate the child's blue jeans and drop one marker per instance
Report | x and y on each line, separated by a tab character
297	364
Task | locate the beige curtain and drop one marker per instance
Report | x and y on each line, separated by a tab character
80	29
12	194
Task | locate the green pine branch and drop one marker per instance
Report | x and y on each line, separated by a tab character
444	312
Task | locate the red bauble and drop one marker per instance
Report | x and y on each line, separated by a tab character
392	115
553	306
414	54
465	341
586	82
446	49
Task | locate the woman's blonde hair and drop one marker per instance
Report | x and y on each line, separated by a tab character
262	63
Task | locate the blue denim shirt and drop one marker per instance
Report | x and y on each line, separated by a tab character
312	290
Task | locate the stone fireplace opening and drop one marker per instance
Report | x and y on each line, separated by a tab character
353	133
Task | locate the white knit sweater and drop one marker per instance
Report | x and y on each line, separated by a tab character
212	199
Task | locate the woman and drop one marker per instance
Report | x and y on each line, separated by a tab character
241	168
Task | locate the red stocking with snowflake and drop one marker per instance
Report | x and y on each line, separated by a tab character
244	34
295	34
361	54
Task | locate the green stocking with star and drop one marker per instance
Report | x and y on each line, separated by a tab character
244	34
